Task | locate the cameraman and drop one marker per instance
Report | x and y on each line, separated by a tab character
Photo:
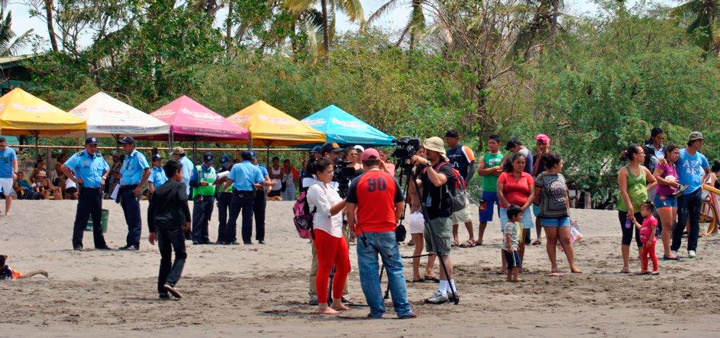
331	151
438	202
378	200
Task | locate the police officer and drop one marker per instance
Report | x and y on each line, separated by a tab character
157	175
245	179
202	180
92	171
260	205
178	154
134	174
224	197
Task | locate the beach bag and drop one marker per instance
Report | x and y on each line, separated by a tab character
458	193
303	216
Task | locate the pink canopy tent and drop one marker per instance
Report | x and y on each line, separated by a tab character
191	121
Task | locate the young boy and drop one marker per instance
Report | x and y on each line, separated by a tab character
167	214
7	272
647	238
510	242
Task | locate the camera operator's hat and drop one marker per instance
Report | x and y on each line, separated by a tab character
696	135
127	140
435	144
330	147
370	154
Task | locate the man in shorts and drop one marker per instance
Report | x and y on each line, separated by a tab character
490	169
463	160
8	172
437	173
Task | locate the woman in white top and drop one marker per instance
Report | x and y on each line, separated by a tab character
328	237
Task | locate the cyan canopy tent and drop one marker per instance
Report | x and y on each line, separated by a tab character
343	128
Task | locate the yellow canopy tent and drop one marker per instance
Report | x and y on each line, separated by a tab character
24	114
269	126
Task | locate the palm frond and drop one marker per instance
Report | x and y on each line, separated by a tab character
353	9
298	5
384	9
16	45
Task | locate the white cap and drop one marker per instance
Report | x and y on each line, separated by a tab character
362	150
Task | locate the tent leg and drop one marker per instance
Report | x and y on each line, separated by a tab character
267	160
195	151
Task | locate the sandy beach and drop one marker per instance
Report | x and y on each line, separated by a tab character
261	290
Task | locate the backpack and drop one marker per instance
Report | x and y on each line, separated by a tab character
458	192
303	216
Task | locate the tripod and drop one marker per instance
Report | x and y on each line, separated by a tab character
408	173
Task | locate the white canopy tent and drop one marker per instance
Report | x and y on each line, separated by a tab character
107	116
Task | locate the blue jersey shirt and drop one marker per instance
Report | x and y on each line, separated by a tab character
133	168
6	159
244	175
157	176
187	170
691	170
89	168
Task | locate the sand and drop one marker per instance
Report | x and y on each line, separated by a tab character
262	290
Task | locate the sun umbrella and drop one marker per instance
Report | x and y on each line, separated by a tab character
269	126
108	116
343	128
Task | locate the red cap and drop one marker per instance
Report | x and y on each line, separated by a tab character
370	154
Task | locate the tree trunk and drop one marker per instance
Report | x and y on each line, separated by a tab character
51	29
482	118
228	28
326	33
554	21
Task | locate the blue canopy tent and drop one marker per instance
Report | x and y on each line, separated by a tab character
345	129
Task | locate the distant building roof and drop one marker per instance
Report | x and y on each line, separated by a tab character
12	61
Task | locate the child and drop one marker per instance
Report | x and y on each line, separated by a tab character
9	273
510	242
647	237
168	212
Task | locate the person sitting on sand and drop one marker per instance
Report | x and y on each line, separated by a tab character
22	188
648	229
45	187
8	273
510	242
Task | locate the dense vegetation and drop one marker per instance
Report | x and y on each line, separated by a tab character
517	68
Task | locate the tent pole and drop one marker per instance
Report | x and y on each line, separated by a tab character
267	160
170	142
195	150
37	149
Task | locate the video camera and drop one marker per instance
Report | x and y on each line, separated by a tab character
344	174
406	147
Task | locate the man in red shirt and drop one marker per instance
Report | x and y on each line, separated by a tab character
374	204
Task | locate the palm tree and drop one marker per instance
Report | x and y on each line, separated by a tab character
352	8
541	28
703	16
9	44
416	23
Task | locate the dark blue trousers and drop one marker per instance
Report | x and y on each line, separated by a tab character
224	199
89	203
131	208
202	211
242	201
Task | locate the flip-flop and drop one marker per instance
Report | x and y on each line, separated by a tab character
432	279
468	244
455	244
536	242
655	273
623	271
642	273
419	280
557	274
666	258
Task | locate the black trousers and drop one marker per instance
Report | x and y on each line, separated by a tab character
688	210
242	201
223	203
89	203
259	213
169	239
202	212
131	208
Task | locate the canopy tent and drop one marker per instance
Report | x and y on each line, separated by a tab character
24	114
269	126
191	121
107	116
343	128
21	113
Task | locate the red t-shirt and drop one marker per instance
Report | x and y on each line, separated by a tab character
375	194
516	191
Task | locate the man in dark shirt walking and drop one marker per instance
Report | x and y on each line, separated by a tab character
168	219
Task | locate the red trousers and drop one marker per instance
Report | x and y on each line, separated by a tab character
644	256
331	251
